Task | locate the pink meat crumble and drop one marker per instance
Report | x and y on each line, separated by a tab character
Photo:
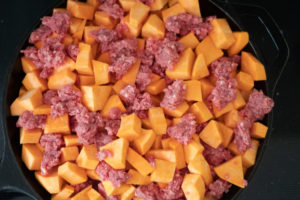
112	8
218	188
184	130
28	120
101	155
173	190
114	113
149	192
143	78
81	186
73	51
128	93
222	67
242	138
59	22
174	95
216	156
112	126
40	33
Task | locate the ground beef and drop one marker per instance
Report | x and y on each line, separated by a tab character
200	127
50	159
173	190
102	138
28	120
112	126
58	109
81	186
183	131
216	156
147	59
121	66
114	113
184	23
67	93
218	188
222	67
50	97
142	102
59	22
242	138
40	33
143	78
107	173
128	93
73	51
112	8
174	95
101	190
148	192
101	155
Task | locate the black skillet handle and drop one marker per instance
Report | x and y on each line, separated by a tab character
269	43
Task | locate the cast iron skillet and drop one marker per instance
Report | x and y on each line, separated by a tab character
266	42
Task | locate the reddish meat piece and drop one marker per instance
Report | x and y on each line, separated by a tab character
222	67
112	126
102	139
143	78
200	127
58	109
174	95
50	97
107	173
40	34
147	59
67	93
142	102
102	192
31	53
101	155
147	2
184	23
121	66
148	192
142	114
114	113
105	37
242	138
218	188
52	142
50	160
216	156
81	186
112	8
28	120
173	190
73	51
128	93
59	22
75	108
183	131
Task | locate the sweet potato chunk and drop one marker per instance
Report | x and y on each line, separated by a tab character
94	195
157	120
156	87
130	128
253	66
132	30
193	90
27	65
239	101
212	134
191	6
32	156
83	194
168	155
92	174
138	14
57	125
138	162
245	81
80	10
16	107
157	142
30	136
209	50
65	193
61	78
191	150
164	171
193	187
114	101
200	69
32	80
86	80
127	4
180	110
52	182
72	173
128	194
110	189
144	142
42	110
130	76
88	157
86	35
227	134
154	27
103	19
68	63
29	100
201	112
137	178
206	87
69	153
158	4
173	144
84	59
258	130
172	11
101	72
199	166
241	40
249	156
71	140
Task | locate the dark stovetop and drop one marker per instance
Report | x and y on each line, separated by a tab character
278	176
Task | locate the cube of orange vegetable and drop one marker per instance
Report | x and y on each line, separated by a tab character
206	87
92	174
130	128
233	148
212	134
249	156
42	110
158	4
239	101
158	120
84	59
227	134
193	90
86	80
164	171
172	2
154	27
189	40
87	37
172	11
137	178
30	100
127	4
118	148
52	182
141	43
156	87
138	162
30	136
157	142
27	65
209	50
245	81
168	155
94	195
105	57
221	34
173	144
79	31
72	173
132	30
68	40
83	194
16	108
253	66
201	112
22	90
241	40
128	194
231	118
101	72
32	156
191	6
131	75
95	97
180	110
61	78
94	3
193	187
114	101
200	166
110	189
232	171
200	69
80	10
57	125
69	153
146	123
88	157
32	80
71	140
258	130
65	193
68	63
144	142
191	150
138	14
103	19
183	68
226	109
156	100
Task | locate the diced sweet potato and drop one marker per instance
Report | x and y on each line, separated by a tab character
200	69
61	78
80	10
137	178
193	90
83	194
141	43
258	130
114	101
154	27
29	100
232	171
206	87
110	189
101	72
132	30
32	156
138	14
183	68
130	76
94	195
221	34
157	120
75	24
227	134
180	110
130	128
156	87
127	4
71	140
30	136
231	118
164	171
239	101
68	63
52	182
94	3
58	125
201	112
245	81
173	144
193	187
212	134
118	148
79	32
92	174
226	109
209	50
32	80
158	4
138	162
65	193
86	35
196	138
72	173
105	57
157	142
172	2
144	142
16	108
88	157
172	11
83	63
42	110
191	150
22	90
68	40
199	166
86	80
249	156
69	153
146	123
168	155
191	6
27	65
103	19
253	66
241	40
128	194
233	148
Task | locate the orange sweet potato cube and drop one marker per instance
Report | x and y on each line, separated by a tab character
94	195
61	78
16	108
65	193
138	14
83	63
79	31
172	2
71	140
141	43
57	125
137	178
42	110
69	63
193	187
144	142
253	66
52	182
131	75
101	72
158	120
258	130
128	194
189	40
158	4
201	112
245	81
32	80
193	90
180	110
232	171
200	69
200	166
119	149
191	150
92	174
83	194
183	68
127	4
69	153
110	189
154	27
164	171
157	142
22	90
146	123
88	157
241	40
191	6
130	128
86	80
103	19
31	99
132	30
206	87
86	35
30	136
105	57
172	11
156	87
233	148
227	134
138	162
173	144
231	118
27	65
226	109
94	3
212	134
249	156
80	10
68	40
32	156
114	101
209	50
72	173
239	101
168	155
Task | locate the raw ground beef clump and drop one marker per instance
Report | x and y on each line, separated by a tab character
218	188
59	22
28	120
216	156
174	95
112	8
